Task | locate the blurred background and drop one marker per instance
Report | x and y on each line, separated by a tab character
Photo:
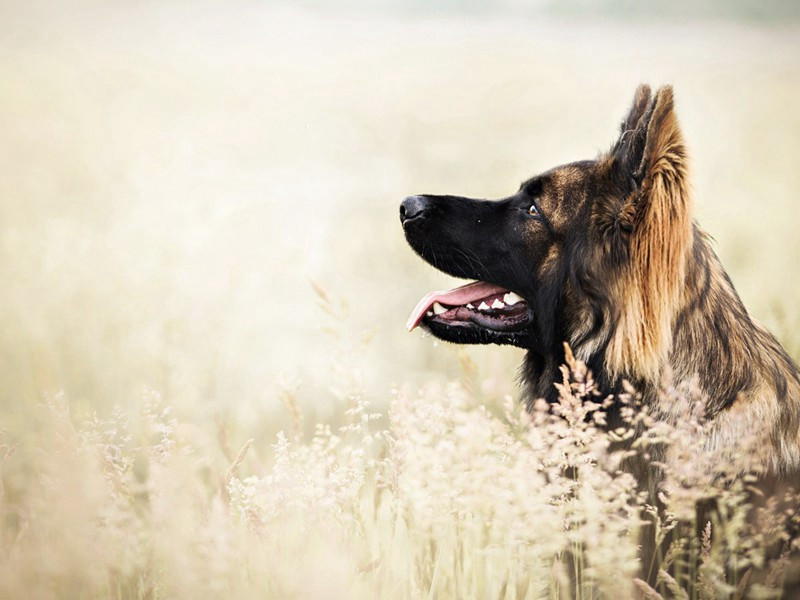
176	177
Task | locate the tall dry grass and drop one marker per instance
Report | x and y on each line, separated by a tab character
449	500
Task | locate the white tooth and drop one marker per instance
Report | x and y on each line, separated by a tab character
498	304
438	308
483	306
470	306
429	313
511	298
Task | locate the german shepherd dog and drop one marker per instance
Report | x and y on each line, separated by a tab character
604	255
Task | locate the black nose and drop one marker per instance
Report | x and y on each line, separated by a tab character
412	207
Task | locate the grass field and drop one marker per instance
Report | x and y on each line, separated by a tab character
207	387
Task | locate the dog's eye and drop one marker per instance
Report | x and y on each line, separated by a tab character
533	211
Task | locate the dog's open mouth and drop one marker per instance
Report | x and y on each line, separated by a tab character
483	304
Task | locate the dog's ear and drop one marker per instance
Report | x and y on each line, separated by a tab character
629	148
649	158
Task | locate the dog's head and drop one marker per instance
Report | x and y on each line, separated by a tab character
548	257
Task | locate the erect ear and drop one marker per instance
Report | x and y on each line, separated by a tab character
629	148
649	155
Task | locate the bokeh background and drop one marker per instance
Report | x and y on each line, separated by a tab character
175	175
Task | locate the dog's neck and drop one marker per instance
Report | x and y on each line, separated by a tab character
717	342
714	343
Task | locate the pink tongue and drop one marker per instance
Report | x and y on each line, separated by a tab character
455	297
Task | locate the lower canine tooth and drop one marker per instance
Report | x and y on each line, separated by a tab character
438	308
483	306
497	304
511	298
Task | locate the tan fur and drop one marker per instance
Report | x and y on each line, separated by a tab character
650	290
656	286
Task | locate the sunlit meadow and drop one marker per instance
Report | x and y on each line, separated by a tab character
207	387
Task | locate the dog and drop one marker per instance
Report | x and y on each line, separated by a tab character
604	255
602	258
